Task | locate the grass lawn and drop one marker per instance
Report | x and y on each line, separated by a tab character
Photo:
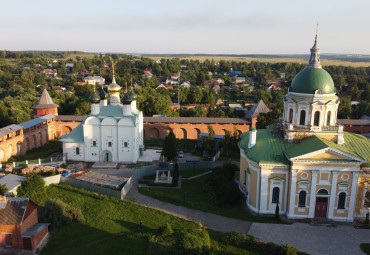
111	226
197	195
365	247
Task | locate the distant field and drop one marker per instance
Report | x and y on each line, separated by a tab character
274	60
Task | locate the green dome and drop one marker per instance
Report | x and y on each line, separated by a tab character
311	79
103	95
94	98
126	99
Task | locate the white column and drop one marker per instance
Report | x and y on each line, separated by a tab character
353	195
333	193
264	190
311	213
293	188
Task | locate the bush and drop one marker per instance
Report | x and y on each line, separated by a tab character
234	238
193	241
165	230
58	213
287	249
34	183
3	189
222	182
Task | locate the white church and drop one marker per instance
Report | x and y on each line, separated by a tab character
111	132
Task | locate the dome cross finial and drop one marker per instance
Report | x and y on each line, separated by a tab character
315	52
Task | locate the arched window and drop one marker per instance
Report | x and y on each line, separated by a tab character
275	195
316	119
302	119
367	199
77	151
328	118
125	144
109	144
322	192
291	116
94	143
302	199
342	200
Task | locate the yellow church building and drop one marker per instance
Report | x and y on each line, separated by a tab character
306	163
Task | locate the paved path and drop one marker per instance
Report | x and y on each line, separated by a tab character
315	240
213	221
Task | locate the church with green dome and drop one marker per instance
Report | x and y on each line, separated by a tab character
306	164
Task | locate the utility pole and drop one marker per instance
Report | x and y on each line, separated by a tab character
178	90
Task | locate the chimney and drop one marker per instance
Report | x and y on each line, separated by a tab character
252	137
2	201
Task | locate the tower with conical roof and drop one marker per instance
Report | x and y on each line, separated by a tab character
45	105
311	105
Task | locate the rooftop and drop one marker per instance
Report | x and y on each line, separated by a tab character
36	121
11	180
45	101
14	211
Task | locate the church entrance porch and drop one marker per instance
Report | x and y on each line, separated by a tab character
106	156
321	207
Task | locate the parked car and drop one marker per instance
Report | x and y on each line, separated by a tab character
181	154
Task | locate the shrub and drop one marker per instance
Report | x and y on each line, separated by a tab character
222	182
33	184
287	249
277	211
175	177
234	238
58	213
165	230
3	189
193	241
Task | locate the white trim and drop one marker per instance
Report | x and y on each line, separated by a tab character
333	193
264	189
293	189
353	196
252	208
274	166
329	149
281	194
327	168
311	211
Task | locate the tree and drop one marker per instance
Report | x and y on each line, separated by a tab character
169	147
33	184
175	177
3	189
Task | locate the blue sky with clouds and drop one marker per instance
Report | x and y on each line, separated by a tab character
202	26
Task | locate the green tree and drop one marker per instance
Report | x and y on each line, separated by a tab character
169	146
3	189
175	177
33	184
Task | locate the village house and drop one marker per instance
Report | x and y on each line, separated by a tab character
94	80
19	226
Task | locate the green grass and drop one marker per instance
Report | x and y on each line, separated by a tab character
196	194
365	247
111	226
41	152
192	172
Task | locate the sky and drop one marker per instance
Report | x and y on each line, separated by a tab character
191	26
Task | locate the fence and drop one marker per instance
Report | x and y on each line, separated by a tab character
40	161
91	187
149	170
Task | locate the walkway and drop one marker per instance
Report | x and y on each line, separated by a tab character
213	221
315	240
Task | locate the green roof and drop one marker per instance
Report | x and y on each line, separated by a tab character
269	147
75	136
272	148
311	79
111	111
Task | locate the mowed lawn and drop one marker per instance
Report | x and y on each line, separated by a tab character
111	226
196	194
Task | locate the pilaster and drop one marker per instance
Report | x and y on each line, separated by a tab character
351	208
293	188
333	193
264	190
311	213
